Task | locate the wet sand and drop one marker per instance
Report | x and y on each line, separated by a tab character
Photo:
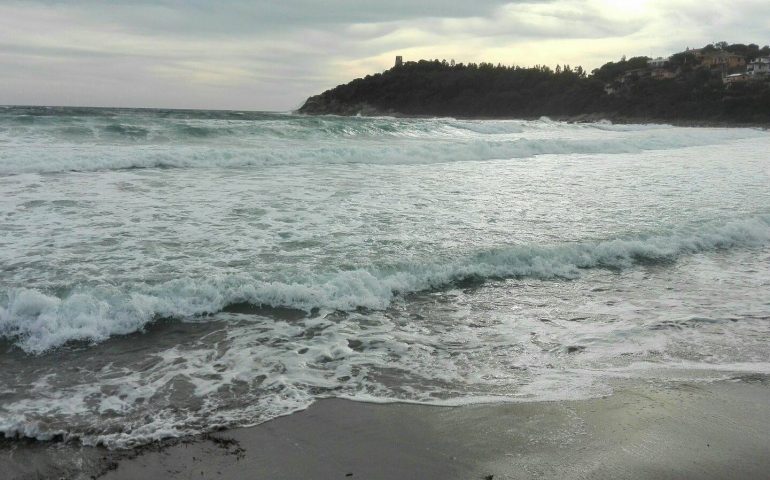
672	431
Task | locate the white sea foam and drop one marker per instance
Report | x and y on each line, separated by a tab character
429	276
90	146
38	321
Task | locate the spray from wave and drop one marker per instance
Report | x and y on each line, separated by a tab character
37	321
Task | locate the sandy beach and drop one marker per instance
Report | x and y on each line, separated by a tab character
489	240
673	431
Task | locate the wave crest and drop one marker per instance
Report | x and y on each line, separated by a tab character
37	321
418	152
49	141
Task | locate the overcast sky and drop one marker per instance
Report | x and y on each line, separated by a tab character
271	55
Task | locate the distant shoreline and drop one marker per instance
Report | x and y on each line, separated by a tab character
581	118
686	90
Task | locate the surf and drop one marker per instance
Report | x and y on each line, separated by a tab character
37	321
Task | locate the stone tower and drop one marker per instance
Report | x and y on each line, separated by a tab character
399	60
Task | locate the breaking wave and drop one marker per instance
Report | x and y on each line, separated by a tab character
50	140
37	321
51	160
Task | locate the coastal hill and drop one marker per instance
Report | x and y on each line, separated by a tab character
719	83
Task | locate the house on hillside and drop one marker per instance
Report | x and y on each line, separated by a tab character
759	67
657	62
721	59
697	52
713	58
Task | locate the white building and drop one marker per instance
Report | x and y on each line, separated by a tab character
657	62
759	66
735	78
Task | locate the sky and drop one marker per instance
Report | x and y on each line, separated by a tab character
273	54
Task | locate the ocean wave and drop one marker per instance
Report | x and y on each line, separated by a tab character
418	151
61	140
128	131
38	321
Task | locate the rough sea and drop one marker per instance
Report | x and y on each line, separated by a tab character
165	273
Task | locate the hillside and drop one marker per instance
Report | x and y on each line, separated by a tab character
704	85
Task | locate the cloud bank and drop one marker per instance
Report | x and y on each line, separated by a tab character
267	55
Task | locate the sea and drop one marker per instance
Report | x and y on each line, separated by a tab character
165	273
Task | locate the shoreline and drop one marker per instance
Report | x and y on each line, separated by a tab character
643	430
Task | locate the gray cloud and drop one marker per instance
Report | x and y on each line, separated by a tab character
271	55
239	17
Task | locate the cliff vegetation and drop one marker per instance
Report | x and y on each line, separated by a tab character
716	83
